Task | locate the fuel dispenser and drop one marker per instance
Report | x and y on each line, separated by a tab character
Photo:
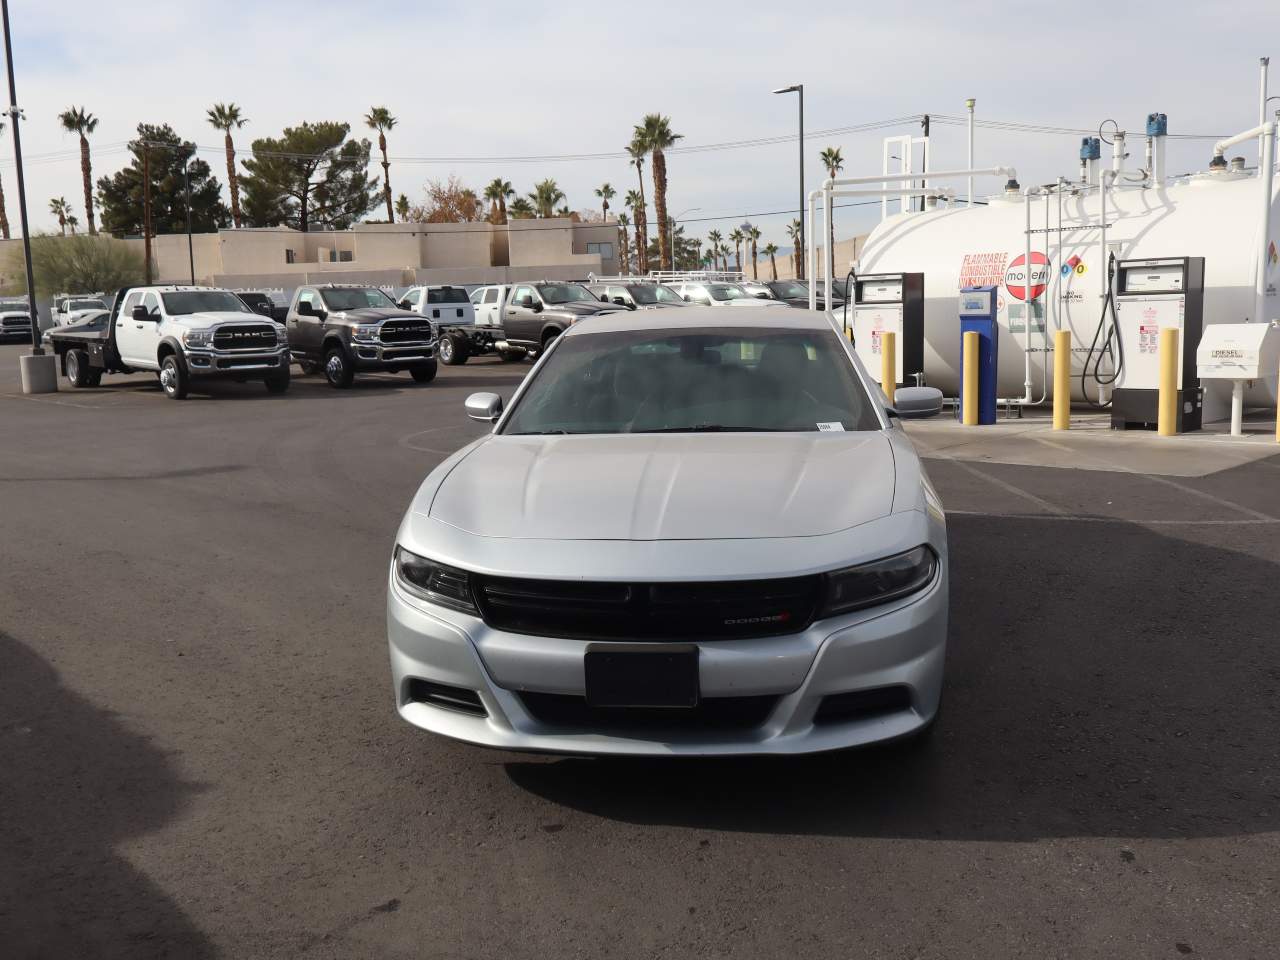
890	302
978	307
1150	294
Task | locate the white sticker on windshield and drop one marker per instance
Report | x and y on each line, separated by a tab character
836	427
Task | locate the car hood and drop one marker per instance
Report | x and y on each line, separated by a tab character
667	486
211	318
744	302
580	308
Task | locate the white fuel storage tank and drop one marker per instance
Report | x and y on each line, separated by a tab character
1217	216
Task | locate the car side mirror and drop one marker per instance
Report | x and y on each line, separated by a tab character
537	306
484	406
140	314
915	403
619	301
404	305
603	298
305	309
687	298
264	309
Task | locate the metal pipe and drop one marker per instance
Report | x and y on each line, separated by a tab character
1263	63
1102	262
1008	172
809	254
1117	154
970	103
1222	146
1027	299
1267	175
829	254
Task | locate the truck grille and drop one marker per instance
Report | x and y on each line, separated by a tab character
722	610
16	322
406	331
247	337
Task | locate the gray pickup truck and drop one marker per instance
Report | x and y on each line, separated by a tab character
342	329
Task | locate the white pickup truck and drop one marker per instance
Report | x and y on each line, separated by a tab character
70	308
15	319
179	333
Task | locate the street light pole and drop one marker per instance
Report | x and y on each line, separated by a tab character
186	184
799	88
14	115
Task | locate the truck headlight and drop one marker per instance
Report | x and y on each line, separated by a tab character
282	335
877	582
197	338
434	582
367	331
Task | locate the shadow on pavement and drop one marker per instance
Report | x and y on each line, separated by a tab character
75	784
1103	680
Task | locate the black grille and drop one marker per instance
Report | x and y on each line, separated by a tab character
450	698
16	322
247	337
721	610
863	704
713	713
406	331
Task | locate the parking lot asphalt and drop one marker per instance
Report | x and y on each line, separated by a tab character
201	757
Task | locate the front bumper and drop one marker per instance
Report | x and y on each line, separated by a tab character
375	355
233	363
899	645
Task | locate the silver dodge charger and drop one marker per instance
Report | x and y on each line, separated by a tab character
690	532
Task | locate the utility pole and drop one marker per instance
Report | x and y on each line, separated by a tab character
146	207
924	182
186	185
14	115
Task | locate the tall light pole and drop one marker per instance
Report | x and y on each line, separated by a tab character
799	88
186	185
14	115
674	220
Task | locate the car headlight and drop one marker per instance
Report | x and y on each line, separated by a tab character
869	584
367	331
282	334
197	338
435	582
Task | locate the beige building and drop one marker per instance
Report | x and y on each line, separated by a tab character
390	255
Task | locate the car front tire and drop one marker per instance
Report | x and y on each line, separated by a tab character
278	382
424	372
337	368
173	378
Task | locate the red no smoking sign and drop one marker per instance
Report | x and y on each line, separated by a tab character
1015	276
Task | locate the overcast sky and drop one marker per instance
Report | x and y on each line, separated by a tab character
519	79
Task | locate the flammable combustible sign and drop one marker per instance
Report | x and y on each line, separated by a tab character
1148	338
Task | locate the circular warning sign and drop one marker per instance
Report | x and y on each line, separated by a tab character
1015	276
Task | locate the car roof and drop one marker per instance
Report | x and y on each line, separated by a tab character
769	317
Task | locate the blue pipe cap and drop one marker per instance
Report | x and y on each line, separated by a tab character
1090	148
1157	125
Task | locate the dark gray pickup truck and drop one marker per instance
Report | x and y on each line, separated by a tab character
342	330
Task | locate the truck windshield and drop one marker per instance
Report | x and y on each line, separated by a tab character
200	301
355	299
789	290
654	293
693	381
86	305
448	295
565	293
727	291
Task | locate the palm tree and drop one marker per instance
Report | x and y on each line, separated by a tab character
624	248
713	239
496	193
724	255
402	207
521	209
72	223
380	119
770	250
737	237
225	117
637	150
634	201
545	195
754	235
796	232
4	217
78	120
655	133
834	162
606	193
59	207
469	204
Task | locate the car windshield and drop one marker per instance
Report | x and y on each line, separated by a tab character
202	301
448	295
647	293
789	290
727	291
565	292
86	305
694	380
355	298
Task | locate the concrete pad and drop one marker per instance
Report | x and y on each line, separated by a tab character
1091	444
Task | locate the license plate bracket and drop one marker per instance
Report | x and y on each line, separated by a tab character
642	675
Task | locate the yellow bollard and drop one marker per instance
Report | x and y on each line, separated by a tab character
969	402
888	364
1062	380
1167	422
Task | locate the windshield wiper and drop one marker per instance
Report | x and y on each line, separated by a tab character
538	433
712	428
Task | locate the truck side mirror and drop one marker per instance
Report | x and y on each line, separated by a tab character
305	309
404	305
140	314
527	302
915	403
484	406
264	309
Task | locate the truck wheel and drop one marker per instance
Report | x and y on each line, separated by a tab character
173	378
78	368
453	349
337	368
278	382
424	372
